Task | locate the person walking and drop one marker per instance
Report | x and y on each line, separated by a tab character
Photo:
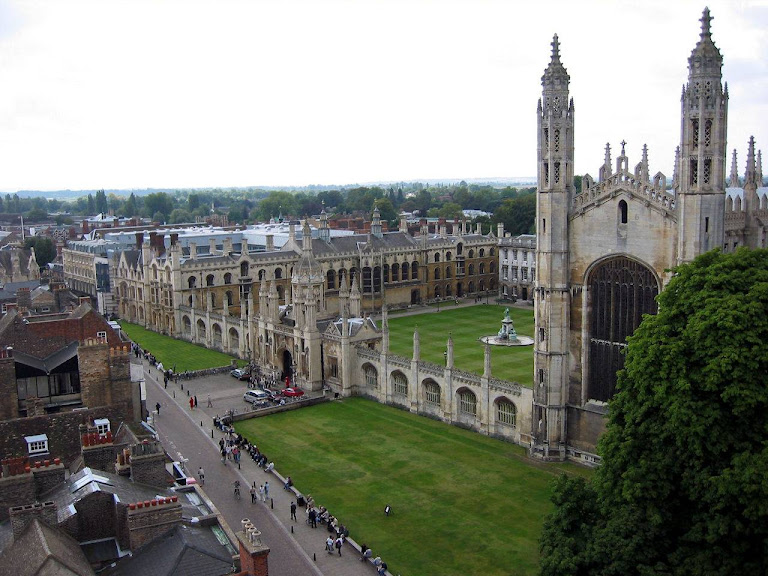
191	403
210	404
201	475
293	511
338	543
266	489
261	493
253	493
195	397
157	407
329	545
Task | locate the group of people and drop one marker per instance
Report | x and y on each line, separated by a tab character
261	493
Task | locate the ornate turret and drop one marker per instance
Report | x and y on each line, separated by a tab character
376	223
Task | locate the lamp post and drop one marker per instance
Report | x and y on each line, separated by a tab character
445	357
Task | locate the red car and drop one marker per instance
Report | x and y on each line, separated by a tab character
292	392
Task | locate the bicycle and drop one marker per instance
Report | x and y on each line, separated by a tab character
237	489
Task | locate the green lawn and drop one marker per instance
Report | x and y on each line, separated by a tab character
467	325
172	352
462	503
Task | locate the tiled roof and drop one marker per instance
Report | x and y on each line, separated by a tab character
44	551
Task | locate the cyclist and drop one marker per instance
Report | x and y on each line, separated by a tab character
237	489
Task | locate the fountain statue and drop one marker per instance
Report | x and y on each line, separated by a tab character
507	336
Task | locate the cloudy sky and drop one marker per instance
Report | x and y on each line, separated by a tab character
167	93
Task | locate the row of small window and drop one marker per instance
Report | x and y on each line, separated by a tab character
514	270
515	254
37	445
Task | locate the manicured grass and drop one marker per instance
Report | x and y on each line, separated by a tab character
172	352
462	503
467	325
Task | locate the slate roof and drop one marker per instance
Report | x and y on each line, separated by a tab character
184	551
44	551
9	289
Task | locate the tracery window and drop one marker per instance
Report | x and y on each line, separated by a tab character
399	383
467	403
621	290
371	377
431	392
506	413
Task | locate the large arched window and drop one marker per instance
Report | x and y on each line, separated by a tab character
386	273
622	212
192	281
243	269
621	290
371	377
209	280
414	270
506	413
437	273
227	278
399	383
395	272
431	392
467	403
331	279
404	271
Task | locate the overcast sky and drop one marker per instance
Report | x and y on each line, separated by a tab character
139	94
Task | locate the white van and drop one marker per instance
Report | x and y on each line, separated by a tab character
256	397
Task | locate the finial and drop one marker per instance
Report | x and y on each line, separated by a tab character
705	20
555	49
749	176
623	143
759	175
645	154
607	153
734	181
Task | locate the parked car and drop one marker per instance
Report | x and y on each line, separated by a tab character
240	374
256	397
291	392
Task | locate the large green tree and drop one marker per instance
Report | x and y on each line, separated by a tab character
517	214
683	484
45	251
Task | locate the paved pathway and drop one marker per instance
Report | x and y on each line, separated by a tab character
295	548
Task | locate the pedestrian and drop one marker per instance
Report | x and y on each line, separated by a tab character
313	518
261	493
293	511
253	493
165	380
266	489
339	541
365	553
157	407
210	404
191	403
201	475
224	456
195	397
329	545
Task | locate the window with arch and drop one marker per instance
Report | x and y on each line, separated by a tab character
482	252
506	413
622	211
386	273
262	274
395	272
437	256
471	269
438	293
492	267
278	273
404	271
621	290
192	282
448	273
471	253
437	273
399	383
431	392
227	278
467	403
447	256
459	249
481	268
230	298
371	377
209	280
213	300
243	269
331	279
414	270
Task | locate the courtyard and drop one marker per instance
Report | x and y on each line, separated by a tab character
462	503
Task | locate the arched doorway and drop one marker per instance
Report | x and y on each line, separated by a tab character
288	367
621	290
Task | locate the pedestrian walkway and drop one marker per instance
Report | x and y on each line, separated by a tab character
278	526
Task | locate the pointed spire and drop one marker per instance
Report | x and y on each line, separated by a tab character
623	144
608	154
556	48
416	345
645	155
676	171
706	20
734	181
749	176
759	172
555	76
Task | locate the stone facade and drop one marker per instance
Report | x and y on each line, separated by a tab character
605	251
746	204
517	266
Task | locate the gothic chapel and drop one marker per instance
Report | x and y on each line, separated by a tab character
604	252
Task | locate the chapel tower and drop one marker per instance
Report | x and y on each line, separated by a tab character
555	116
701	190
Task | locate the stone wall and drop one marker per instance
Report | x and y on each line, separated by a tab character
148	464
22	516
147	520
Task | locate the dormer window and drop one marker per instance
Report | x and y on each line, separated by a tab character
37	445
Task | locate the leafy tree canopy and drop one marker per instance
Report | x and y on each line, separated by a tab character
683	486
45	251
518	214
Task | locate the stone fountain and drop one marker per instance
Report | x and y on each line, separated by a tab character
507	335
